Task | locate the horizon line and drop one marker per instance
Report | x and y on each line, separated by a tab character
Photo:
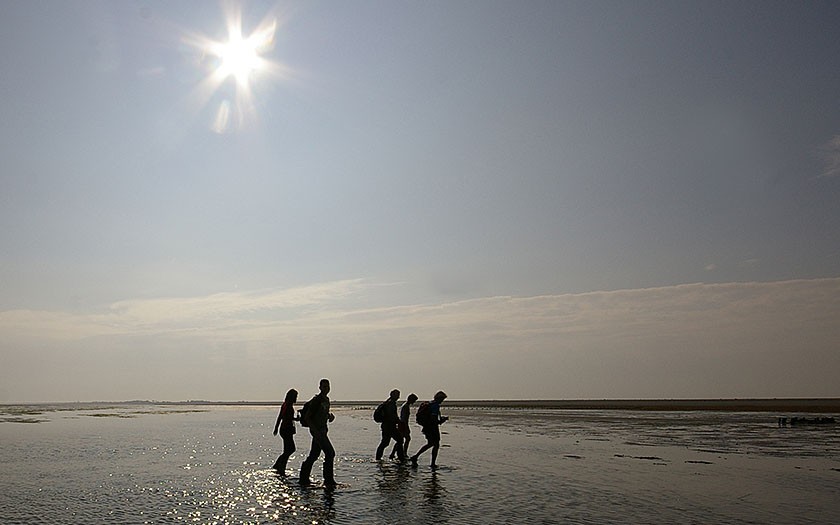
720	403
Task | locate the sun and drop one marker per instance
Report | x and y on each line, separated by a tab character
239	58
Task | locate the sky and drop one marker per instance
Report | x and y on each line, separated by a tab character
503	200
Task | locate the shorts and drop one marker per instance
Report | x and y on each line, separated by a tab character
404	429
432	433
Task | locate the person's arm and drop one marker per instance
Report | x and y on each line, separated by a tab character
330	416
436	414
279	417
393	413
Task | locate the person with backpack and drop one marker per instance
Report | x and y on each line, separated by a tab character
388	421
428	416
403	426
286	422
315	414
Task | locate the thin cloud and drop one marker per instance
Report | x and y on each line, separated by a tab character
330	310
830	153
731	339
180	314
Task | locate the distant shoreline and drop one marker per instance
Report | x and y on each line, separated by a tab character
805	405
677	405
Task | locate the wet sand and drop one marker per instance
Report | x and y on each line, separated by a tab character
499	463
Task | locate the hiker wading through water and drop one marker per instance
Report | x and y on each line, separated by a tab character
317	417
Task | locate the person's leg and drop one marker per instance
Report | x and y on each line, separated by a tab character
406	441
432	441
288	450
386	438
416	455
435	449
329	460
397	435
306	467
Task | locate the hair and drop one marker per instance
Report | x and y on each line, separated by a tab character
395	391
325	380
291	394
412	398
441	394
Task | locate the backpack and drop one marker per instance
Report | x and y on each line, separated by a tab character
379	413
304	413
424	414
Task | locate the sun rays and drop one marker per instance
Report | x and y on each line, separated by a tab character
236	66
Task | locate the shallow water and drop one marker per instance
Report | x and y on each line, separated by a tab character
149	464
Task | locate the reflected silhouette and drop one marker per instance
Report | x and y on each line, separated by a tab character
434	495
394	486
321	504
392	479
329	502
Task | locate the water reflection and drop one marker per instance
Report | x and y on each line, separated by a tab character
392	478
320	504
393	482
564	468
435	498
409	496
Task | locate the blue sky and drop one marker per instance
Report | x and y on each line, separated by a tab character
501	199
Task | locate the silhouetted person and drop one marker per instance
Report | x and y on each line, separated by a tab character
389	427
403	426
286	423
317	417
431	429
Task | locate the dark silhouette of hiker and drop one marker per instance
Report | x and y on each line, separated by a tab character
389	427
317	418
431	429
403	426
286	422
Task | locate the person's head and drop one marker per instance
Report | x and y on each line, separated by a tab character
291	395
411	398
324	385
440	396
395	394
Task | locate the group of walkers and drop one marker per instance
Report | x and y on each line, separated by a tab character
315	415
397	427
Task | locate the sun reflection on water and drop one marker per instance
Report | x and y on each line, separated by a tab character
257	495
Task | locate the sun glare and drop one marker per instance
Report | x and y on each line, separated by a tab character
241	58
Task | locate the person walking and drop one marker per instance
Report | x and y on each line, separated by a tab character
389	426
403	426
317	417
431	422
286	423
